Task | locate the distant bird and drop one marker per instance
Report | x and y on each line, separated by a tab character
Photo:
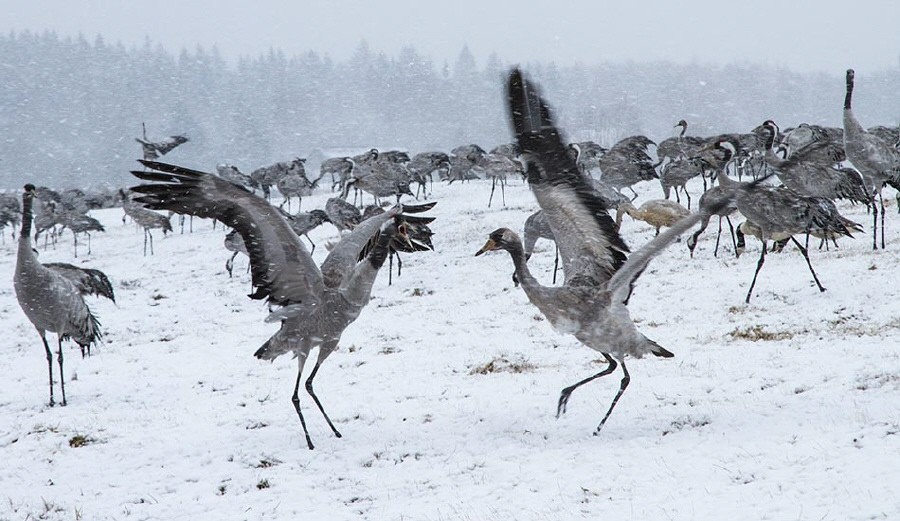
877	161
717	201
587	155
235	244
232	174
267	176
680	146
591	304
50	300
343	215
295	184
384	176
655	212
339	168
422	167
676	174
462	160
146	219
537	227
815	143
154	149
497	168
304	222
80	223
317	304
627	163
10	214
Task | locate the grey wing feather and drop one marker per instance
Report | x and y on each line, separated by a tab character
585	233
282	269
87	281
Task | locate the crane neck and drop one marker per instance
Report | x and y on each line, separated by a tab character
517	252
849	97
25	251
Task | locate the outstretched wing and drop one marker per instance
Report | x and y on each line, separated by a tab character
585	233
86	280
282	269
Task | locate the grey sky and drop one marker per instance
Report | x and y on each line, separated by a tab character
803	35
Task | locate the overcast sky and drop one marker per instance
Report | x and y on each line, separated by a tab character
803	35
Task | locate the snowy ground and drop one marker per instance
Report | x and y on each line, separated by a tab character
785	408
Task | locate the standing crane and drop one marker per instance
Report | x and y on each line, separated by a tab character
50	300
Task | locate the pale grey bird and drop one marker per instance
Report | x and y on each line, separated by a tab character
80	223
676	174
717	201
50	300
304	222
679	146
818	144
587	155
385	176
295	184
497	168
317	304
235	244
591	303
462	160
339	168
146	219
876	160
267	176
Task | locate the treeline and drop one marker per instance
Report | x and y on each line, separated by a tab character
70	108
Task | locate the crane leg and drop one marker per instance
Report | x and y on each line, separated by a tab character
62	376
759	265
145	242
49	366
493	186
313	250
324	351
731	228
229	264
806	256
555	265
881	201
295	398
626	379
567	392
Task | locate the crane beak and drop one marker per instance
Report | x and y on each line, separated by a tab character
404	234
490	245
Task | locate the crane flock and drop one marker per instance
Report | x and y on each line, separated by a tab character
797	177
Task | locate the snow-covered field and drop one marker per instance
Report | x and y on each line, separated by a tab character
783	409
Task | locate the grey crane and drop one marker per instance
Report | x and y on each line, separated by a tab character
537	227
679	146
717	201
339	168
50	300
462	160
317	303
80	223
10	214
808	172
343	215
146	219
824	145
591	303
422	167
627	163
876	160
587	155
304	222
154	149
233	174
385	176
295	184
676	174
267	176
235	244
418	234
781	211
497	168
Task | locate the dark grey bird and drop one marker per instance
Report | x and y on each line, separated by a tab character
50	300
343	215
591	303
80	223
815	143
235	244
876	160
497	168
418	237
304	222
339	168
146	219
781	211
627	163
295	184
317	304
154	149
462	160
88	281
